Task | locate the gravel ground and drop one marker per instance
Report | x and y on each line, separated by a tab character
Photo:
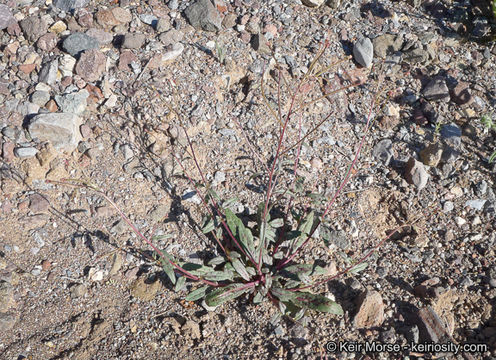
102	91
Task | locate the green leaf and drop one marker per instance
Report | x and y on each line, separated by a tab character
208	226
180	283
197	294
360	267
167	266
277	223
229	202
240	269
492	157
240	232
226	293
217	261
316	302
196	269
281	294
219	275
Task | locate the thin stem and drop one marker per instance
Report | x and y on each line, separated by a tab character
137	232
338	191
218	213
361	260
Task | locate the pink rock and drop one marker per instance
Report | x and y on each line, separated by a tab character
47	42
38	203
126	58
8	151
91	65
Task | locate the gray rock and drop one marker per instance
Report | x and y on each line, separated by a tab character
48	73
25	152
162	25
416	174
203	15
259	43
61	129
171	37
74	103
279	330
7	321
383	151
363	52
477	204
481	188
6	295
313	3
431	154
448	206
387	44
78	42
68	5
149	19
452	135
436	89
100	35
173	4
133	40
127	151
40	97
33	27
6	17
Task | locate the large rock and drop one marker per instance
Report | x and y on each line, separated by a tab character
68	5
416	174
74	103
203	15
33	27
91	65
61	129
370	310
6	17
78	42
436	89
363	52
387	44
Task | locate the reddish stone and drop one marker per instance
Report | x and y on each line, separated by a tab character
419	117
126	58
85	131
23	205
461	94
46	265
47	42
245	37
27	68
51	106
95	93
14	29
85	18
66	81
106	19
38	203
8	150
91	65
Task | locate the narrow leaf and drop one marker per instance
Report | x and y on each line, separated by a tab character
240	269
316	302
358	268
219	275
197	294
223	294
180	283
